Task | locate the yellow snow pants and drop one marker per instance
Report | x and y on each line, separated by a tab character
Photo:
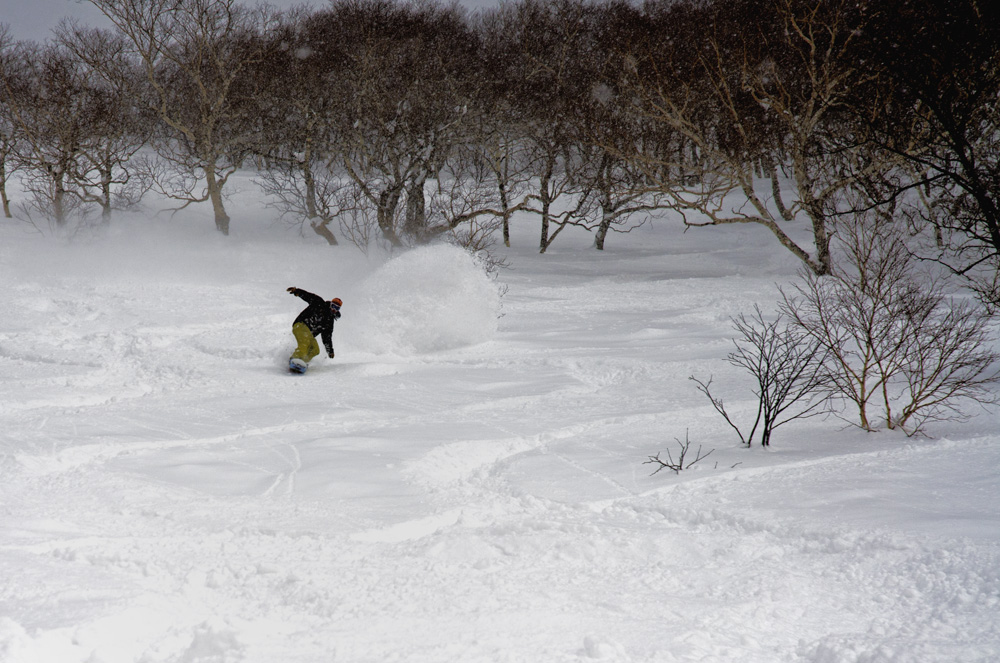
307	345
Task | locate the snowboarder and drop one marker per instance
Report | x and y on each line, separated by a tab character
316	320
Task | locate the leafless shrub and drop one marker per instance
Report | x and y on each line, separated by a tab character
788	368
679	464
894	339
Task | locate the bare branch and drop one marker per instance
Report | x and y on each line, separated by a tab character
679	464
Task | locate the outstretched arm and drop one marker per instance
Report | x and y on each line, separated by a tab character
305	294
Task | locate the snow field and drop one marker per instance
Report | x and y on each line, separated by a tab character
454	486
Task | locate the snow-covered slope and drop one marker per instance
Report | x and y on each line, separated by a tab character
465	481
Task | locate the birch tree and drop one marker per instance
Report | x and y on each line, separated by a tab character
51	104
194	55
938	67
8	126
899	349
409	104
543	76
301	97
118	123
751	87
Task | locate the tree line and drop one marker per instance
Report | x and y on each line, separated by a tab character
382	121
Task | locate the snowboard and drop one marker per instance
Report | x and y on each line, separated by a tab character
297	366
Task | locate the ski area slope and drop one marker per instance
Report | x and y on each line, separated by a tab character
465	481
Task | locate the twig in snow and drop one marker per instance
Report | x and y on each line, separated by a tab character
679	465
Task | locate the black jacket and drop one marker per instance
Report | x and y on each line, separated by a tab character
319	316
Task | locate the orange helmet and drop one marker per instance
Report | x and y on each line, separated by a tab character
336	302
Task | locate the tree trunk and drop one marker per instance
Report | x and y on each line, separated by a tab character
3	187
310	182
3	197
59	197
322	228
415	225
607	218
215	194
387	202
602	230
814	208
106	179
822	239
506	212
543	244
776	193
546	201
863	417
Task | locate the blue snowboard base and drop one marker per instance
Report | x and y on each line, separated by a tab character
297	366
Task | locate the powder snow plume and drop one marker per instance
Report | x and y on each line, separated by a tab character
426	300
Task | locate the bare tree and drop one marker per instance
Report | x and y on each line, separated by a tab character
118	125
788	367
51	103
495	155
8	147
806	80
194	54
938	67
604	129
618	191
504	154
485	179
306	192
8	125
474	188
358	220
409	103
544	76
894	339
301	97
750	88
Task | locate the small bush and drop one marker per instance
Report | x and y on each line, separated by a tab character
893	340
788	366
680	463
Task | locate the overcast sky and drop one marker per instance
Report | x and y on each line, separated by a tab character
34	19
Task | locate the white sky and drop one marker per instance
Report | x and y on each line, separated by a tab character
34	19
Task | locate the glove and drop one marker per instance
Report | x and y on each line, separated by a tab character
331	355
292	290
